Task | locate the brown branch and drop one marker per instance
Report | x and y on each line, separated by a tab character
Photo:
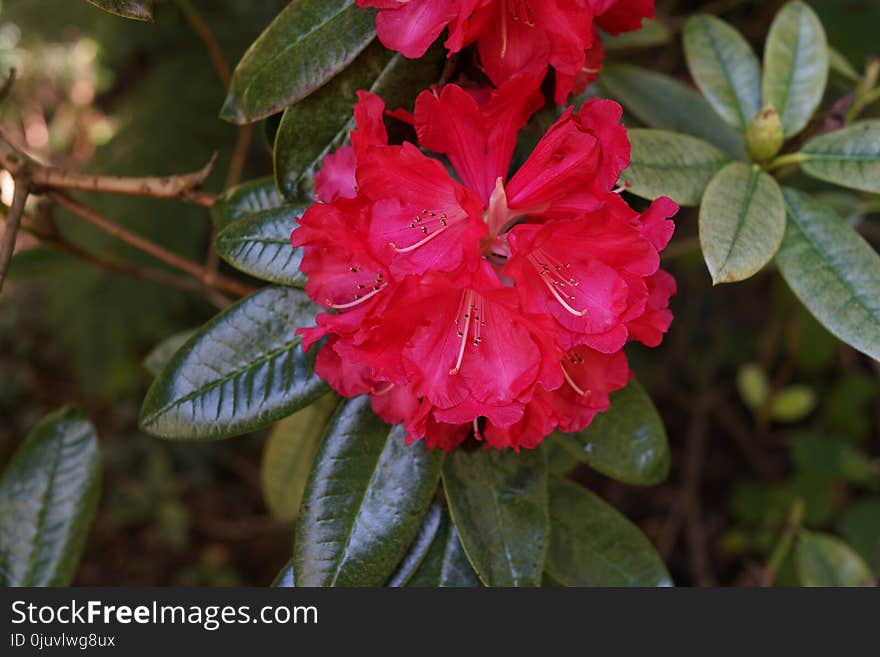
200	273
185	187
182	186
13	221
201	28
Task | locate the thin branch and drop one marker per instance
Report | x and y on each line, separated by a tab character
13	221
201	28
182	186
200	273
780	552
185	187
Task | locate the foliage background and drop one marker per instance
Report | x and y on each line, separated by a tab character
109	95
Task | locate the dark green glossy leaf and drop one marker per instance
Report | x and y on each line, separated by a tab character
564	454
285	579
742	221
163	352
824	560
662	102
628	441
48	496
288	456
848	157
796	65
364	502
671	164
312	129
242	371
259	245
724	67
140	10
498	501
592	544
833	271
419	548
445	564
307	44
244	200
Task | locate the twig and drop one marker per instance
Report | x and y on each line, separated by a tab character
215	52
200	273
182	186
13	221
780	552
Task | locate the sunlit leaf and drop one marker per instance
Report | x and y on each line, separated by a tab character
795	65
833	271
671	164
742	221
725	68
848	157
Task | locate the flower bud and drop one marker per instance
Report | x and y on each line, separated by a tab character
764	135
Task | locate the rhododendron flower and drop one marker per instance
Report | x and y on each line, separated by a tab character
480	300
513	36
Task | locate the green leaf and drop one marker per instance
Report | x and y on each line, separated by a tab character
792	403
653	32
244	200
628	441
48	496
259	245
671	164
824	560
364	503
312	129
840	65
242	371
592	544
498	502
662	102
307	44
848	157
445	564
286	578
139	10
162	352
288	456
742	221
725	68
419	548
861	528
833	271
795	66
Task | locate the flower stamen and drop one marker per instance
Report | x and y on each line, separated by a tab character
420	223
358	299
551	274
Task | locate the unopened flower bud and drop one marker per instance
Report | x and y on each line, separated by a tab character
764	135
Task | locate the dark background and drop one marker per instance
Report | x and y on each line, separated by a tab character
103	94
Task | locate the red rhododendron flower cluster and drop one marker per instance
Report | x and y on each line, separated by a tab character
497	303
513	36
